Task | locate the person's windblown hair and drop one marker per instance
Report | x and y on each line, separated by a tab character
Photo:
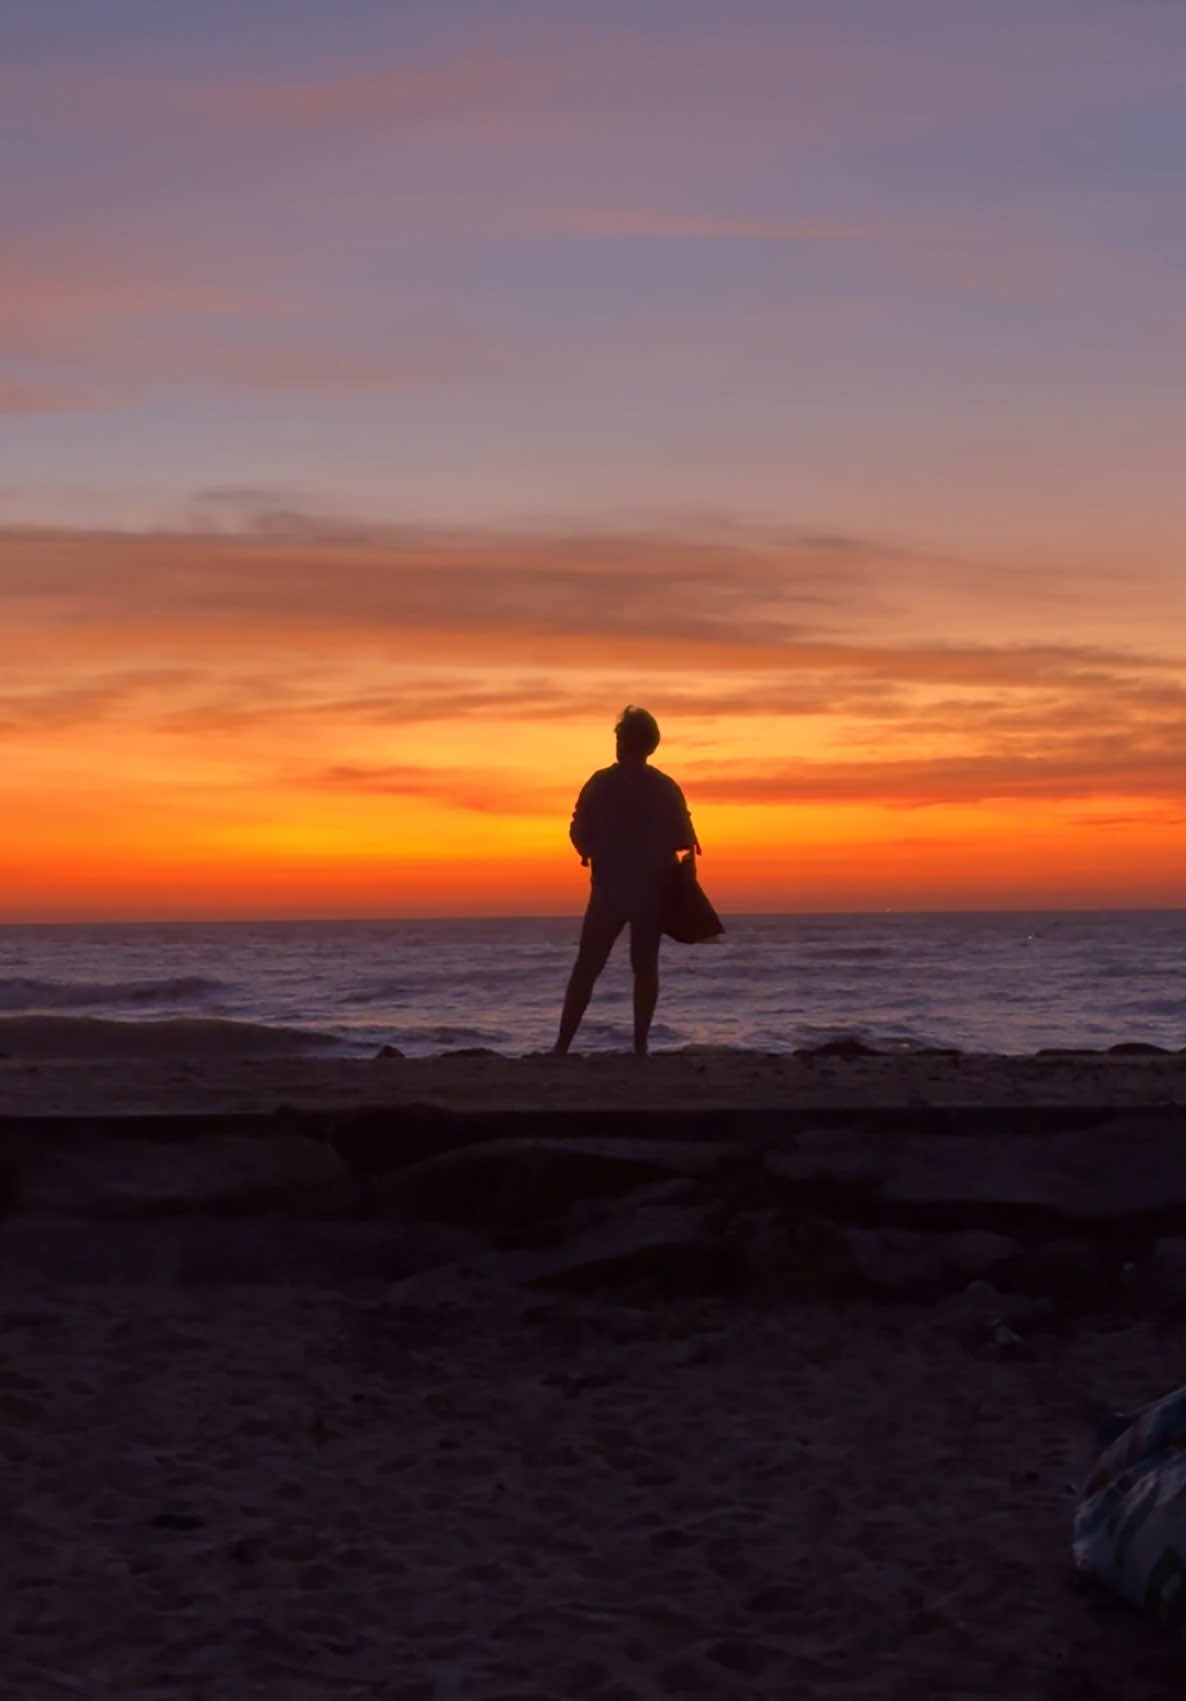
637	731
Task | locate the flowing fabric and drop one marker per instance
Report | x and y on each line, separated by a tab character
686	914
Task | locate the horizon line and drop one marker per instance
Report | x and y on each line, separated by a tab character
575	916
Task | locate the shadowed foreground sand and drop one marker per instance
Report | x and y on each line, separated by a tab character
441	1491
456	1488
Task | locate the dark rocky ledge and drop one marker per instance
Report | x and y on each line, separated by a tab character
1066	1210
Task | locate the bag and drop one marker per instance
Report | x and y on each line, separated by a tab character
686	914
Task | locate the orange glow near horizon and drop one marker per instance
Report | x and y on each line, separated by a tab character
400	728
279	880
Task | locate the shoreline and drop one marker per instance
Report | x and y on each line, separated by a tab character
188	1073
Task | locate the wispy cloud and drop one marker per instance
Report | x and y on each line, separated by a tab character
794	604
1125	762
428	360
1084	767
580	587
51	287
29	397
109	369
480	791
82	703
296	629
518	81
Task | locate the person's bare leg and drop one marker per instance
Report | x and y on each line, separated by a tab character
597	937
644	960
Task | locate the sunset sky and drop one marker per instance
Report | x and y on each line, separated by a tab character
390	392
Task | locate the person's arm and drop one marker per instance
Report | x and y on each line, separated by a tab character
685	832
581	829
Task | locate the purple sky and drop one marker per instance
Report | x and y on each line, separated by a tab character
912	271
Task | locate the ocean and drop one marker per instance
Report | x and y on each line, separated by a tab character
998	981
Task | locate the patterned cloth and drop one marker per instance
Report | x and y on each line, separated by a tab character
1130	1523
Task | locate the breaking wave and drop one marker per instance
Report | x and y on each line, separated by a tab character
21	994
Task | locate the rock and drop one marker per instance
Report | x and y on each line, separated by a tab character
779	1255
590	1213
210	1251
504	1186
1005	1338
839	1158
389	1051
1100	1173
898	1261
665	1252
678	1190
290	1252
382	1138
227	1172
780	1252
977	1253
1137	1048
812	1256
847	1046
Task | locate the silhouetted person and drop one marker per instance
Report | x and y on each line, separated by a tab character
629	822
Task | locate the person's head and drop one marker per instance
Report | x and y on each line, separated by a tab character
637	733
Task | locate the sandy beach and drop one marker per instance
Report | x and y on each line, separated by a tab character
75	1066
592	879
474	1481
